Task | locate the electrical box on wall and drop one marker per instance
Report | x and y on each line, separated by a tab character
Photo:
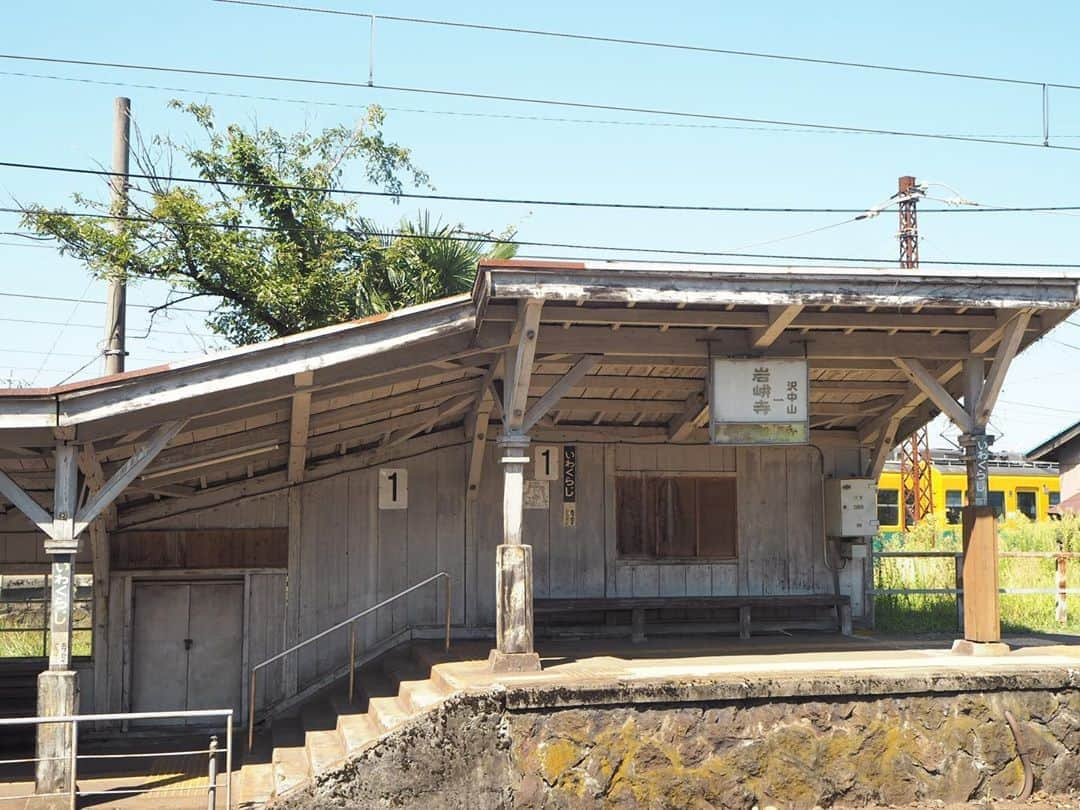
851	507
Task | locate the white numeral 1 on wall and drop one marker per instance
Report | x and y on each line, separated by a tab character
393	488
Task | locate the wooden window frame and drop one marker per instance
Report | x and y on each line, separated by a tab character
643	476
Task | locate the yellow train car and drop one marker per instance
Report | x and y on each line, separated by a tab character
1017	487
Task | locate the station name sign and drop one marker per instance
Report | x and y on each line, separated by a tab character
759	400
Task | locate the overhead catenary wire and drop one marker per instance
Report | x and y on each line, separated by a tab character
611	40
476	113
580	105
472	237
644	206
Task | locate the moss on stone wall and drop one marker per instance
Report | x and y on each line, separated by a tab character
475	753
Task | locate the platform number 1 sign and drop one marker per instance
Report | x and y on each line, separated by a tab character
393	488
547	463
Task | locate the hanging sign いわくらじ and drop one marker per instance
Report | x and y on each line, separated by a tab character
569	486
759	400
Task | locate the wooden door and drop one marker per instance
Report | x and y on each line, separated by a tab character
216	630
160	667
187	646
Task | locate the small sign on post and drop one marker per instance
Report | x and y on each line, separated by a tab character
759	400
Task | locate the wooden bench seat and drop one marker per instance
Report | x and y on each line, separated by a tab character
637	605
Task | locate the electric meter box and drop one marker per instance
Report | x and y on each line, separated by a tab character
851	507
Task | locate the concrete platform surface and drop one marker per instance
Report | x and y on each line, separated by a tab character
694	668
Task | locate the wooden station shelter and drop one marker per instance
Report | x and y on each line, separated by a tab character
554	436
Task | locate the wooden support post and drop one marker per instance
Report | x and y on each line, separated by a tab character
513	573
958	565
299	422
744	621
982	619
58	688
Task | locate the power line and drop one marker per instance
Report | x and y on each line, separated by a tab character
97	326
578	105
743	209
477	114
1038	407
656	44
559	245
60	333
63	299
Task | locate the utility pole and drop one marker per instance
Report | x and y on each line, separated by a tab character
116	299
916	484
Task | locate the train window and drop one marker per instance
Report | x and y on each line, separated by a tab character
997	502
1055	499
676	517
888	507
954	503
1026	504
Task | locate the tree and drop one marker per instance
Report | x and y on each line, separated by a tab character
266	234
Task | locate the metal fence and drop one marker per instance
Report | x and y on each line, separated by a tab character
24	615
1060	590
73	757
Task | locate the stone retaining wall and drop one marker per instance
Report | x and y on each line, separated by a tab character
493	750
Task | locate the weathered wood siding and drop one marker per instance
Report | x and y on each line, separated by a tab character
353	555
346	554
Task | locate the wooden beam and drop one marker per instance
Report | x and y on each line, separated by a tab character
542	382
929	385
478	443
694	344
125	475
25	504
559	390
883	448
299	419
444	411
519	363
1003	357
681	426
903	320
779	320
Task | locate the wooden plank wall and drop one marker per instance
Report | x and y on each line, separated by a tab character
353	555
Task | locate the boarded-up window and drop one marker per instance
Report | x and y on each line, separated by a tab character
676	517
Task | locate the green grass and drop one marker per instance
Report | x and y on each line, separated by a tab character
21	634
928	613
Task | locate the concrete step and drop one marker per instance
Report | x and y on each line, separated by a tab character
290	759
419	696
357	732
325	748
255	784
387	712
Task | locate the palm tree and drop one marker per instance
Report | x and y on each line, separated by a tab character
422	260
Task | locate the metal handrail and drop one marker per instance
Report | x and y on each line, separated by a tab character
350	622
73	757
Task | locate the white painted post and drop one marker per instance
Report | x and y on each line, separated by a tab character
513	572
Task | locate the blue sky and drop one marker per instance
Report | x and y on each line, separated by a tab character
471	148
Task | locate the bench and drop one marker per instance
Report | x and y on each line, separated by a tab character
637	605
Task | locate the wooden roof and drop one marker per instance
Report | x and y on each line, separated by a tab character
353	395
